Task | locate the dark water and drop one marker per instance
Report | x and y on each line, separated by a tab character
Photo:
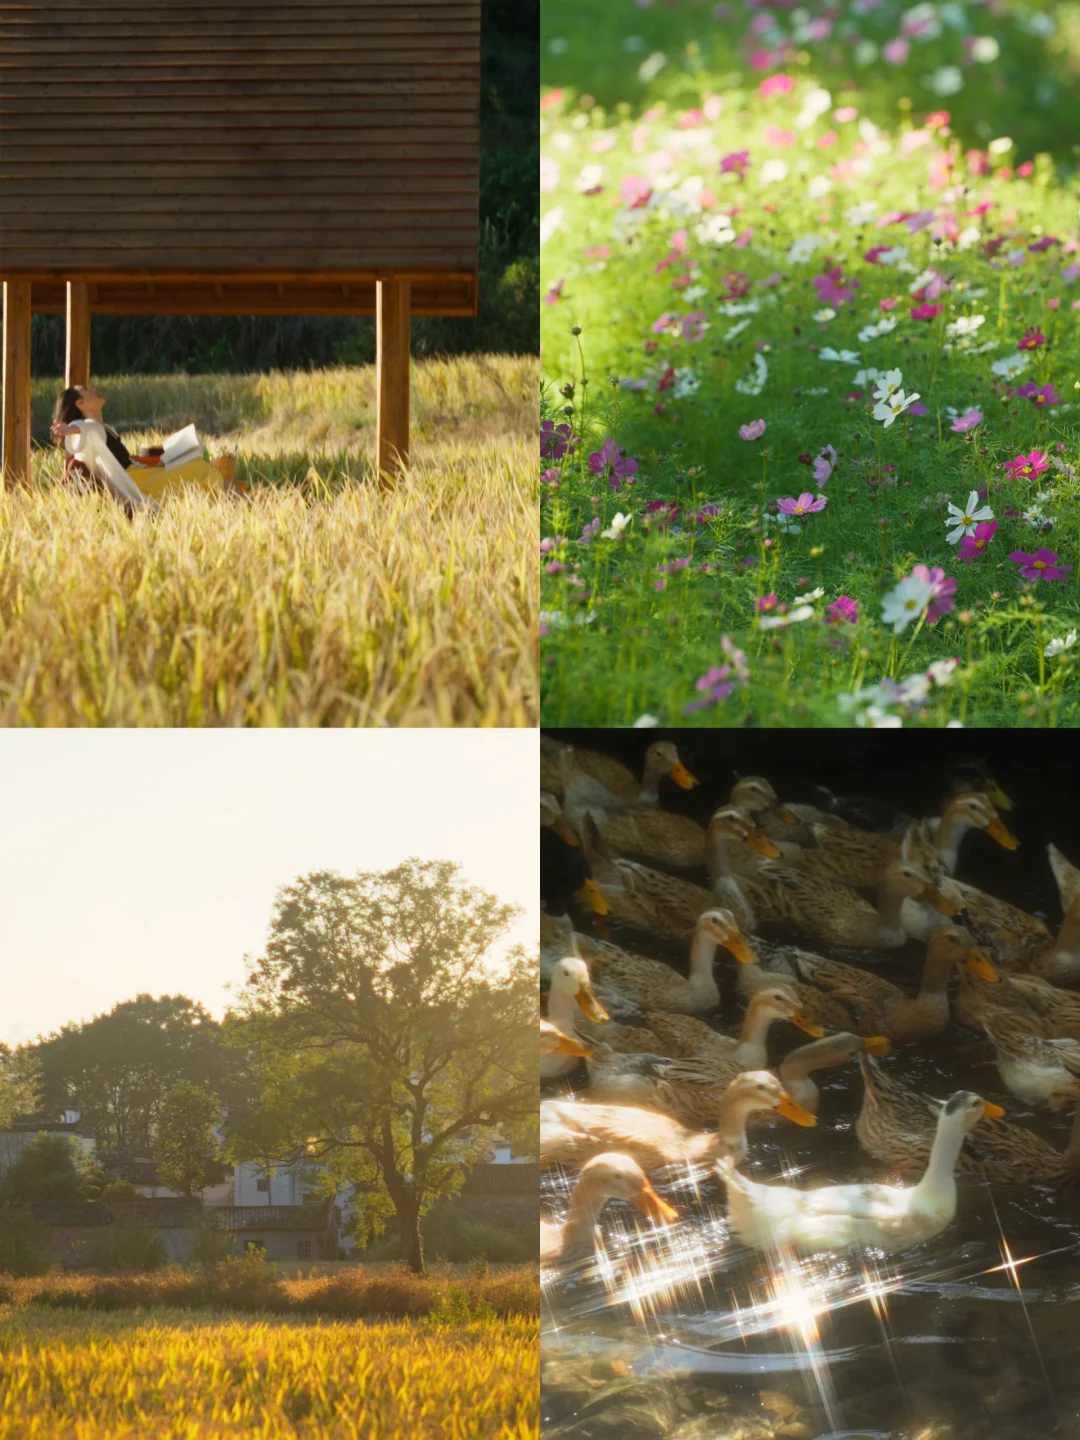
951	1347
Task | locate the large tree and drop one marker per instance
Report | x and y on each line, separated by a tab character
186	1142
115	1068
392	1040
20	1084
50	1167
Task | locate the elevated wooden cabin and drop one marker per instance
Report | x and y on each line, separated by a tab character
236	157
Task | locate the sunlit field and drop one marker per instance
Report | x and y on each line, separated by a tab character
809	451
171	1373
328	600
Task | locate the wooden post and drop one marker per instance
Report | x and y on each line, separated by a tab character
16	382
77	367
392	301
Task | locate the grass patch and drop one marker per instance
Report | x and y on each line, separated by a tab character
716	252
122	1376
326	601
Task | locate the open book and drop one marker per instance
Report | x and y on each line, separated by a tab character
181	447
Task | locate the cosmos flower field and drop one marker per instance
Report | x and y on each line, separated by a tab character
810	441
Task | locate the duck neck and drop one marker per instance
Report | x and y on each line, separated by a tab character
702	955
563	1011
731	1129
796	1068
953	827
586	1203
751	1052
889	904
935	977
940	1172
649	794
717	859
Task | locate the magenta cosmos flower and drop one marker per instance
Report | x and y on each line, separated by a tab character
968	421
610	460
842	608
972	546
942	590
1026	467
1043	565
776	85
736	163
831	287
805	504
1039	394
715	685
926	312
1033	338
555	440
753	431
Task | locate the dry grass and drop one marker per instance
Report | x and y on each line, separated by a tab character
124	1377
244	1285
327	601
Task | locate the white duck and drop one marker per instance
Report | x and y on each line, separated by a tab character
833	1217
571	991
571	1131
605	1177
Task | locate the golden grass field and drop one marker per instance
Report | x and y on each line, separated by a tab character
329	600
170	1373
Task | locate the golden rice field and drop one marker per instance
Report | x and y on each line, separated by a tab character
328	600
142	1376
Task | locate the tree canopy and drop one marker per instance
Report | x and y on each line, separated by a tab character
186	1142
390	1039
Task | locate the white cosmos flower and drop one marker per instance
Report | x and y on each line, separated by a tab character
914	689
895	255
883	326
773	171
887	410
861	214
646	722
845	357
1009	366
889	382
686	383
1059	645
617	526
906	602
867	377
802	248
753	385
965	520
941	671
715	231
824	316
780	622
964	325
736	329
874	718
551	222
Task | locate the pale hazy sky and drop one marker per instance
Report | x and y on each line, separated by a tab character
148	860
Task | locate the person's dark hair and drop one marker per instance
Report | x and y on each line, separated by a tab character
67	409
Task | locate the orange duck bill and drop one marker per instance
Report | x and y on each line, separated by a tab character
1004	837
653	1205
760	842
682	776
590	893
792	1110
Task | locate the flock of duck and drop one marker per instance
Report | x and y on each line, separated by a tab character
667	1089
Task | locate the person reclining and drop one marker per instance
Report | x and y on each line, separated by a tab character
78	427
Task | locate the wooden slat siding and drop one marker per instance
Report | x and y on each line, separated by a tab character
254	135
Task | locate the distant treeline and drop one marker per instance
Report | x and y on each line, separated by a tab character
508	321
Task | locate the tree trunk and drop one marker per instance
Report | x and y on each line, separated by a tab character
408	1216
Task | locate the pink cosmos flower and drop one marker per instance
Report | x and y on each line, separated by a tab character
555	440
925	311
845	113
753	431
943	588
1026	467
615	463
735	163
635	191
555	293
775	135
843	608
693	325
1043	565
805	504
764	604
1040	394
896	51
968	421
715	685
972	546
823	465
1033	338
831	287
776	85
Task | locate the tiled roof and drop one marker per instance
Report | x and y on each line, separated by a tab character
70	1212
312	1218
512	1179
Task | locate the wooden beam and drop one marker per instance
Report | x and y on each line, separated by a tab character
392	301
16	470
77	366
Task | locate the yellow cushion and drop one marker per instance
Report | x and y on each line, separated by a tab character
152	480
